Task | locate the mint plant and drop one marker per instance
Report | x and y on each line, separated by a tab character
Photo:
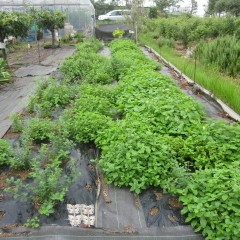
32	222
6	152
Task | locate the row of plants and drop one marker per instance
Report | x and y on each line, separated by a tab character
46	139
165	142
191	30
161	138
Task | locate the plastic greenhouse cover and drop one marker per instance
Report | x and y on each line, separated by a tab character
44	2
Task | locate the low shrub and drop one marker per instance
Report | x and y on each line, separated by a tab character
211	201
5	75
6	152
84	126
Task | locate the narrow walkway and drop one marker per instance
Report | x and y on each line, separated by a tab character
13	97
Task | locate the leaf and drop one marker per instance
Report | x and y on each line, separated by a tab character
203	222
224	197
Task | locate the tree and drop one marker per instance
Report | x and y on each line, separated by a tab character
137	16
233	7
211	5
14	24
52	20
194	7
164	4
220	7
153	12
223	6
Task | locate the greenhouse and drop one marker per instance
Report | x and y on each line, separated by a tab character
80	13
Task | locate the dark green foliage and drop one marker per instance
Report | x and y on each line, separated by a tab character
32	222
190	30
50	182
153	12
223	53
17	122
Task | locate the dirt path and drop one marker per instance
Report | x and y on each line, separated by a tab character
13	96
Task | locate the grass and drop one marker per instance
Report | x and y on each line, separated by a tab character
223	87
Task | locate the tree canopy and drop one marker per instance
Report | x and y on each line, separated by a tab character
52	20
14	24
223	6
166	4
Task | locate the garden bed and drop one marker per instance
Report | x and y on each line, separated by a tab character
141	133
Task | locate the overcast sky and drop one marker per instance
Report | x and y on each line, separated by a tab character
201	4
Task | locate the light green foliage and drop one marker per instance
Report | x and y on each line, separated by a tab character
211	144
38	129
126	54
192	156
17	123
6	152
223	53
4	72
91	112
90	45
147	94
84	126
118	33
211	201
32	222
133	155
87	66
48	99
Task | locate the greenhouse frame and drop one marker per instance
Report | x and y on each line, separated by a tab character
80	13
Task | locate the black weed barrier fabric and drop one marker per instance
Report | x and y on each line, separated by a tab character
161	210
82	191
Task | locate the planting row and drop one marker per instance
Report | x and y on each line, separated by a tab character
149	132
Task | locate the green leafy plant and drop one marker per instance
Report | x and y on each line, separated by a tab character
118	33
222	53
49	185
88	67
84	126
6	152
17	123
211	201
5	75
22	154
133	155
32	222
39	129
